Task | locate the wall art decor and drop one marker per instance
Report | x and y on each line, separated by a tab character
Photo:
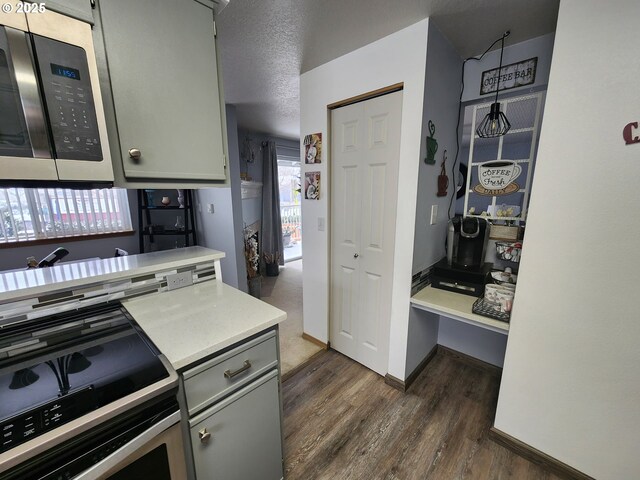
313	148
312	185
443	180
432	145
629	133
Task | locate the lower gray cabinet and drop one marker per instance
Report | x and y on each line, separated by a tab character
239	438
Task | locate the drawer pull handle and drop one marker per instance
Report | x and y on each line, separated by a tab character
204	435
229	374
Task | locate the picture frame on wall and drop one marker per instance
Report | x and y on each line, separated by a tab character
313	148
312	185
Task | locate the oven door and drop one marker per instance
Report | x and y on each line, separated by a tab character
157	453
145	442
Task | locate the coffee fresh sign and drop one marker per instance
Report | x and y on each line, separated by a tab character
512	76
498	178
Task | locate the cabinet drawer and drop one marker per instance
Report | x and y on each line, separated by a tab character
222	375
240	437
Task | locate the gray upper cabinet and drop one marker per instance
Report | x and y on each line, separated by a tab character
80	9
161	57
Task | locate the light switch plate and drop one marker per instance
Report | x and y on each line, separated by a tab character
434	214
321	224
210	208
179	280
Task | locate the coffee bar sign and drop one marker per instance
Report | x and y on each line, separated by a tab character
512	76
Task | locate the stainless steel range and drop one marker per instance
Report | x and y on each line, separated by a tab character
86	395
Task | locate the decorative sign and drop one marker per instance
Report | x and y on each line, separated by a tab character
443	180
313	148
432	145
312	185
512	76
498	178
628	134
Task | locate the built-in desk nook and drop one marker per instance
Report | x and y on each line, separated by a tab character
458	328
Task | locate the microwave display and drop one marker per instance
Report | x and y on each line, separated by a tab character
68	99
65	71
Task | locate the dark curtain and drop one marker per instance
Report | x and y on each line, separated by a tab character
272	250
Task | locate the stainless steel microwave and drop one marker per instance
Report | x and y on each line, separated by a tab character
52	124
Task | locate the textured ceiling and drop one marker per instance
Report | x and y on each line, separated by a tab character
266	44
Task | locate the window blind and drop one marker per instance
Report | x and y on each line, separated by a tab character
39	213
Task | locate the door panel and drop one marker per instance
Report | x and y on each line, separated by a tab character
366	142
348	286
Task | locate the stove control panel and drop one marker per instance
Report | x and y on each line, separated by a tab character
21	428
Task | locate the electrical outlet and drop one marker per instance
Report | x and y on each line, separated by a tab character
179	280
210	208
434	214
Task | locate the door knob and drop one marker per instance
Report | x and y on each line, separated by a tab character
204	435
356	255
135	154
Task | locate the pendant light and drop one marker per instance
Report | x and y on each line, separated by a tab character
495	123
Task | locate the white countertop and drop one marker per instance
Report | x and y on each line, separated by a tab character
15	285
191	323
456	306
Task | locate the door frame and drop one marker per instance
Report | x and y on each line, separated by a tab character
396	87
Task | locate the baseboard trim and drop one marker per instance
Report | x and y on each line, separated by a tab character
314	340
403	386
394	382
298	368
471	360
547	462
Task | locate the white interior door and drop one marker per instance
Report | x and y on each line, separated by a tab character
365	149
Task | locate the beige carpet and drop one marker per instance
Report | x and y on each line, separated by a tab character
285	293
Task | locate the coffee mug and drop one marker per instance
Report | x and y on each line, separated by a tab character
497	175
505	299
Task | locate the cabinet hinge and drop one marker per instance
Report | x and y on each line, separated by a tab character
215	30
224	161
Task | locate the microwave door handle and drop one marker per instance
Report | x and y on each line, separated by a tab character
123	452
29	94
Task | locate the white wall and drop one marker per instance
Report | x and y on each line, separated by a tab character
400	57
571	383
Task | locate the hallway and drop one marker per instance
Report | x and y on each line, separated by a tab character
285	293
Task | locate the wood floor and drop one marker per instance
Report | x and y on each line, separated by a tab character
341	421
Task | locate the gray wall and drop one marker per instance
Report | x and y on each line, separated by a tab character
15	257
441	107
222	229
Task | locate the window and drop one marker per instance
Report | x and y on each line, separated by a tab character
39	213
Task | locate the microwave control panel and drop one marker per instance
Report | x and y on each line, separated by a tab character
69	99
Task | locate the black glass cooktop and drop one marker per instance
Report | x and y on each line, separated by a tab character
58	368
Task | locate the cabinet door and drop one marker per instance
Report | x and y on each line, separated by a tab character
164	79
245	440
80	9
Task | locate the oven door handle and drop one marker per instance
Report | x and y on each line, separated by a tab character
122	453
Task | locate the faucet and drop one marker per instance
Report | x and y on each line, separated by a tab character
54	257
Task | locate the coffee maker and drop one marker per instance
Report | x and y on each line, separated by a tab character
467	241
463	270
